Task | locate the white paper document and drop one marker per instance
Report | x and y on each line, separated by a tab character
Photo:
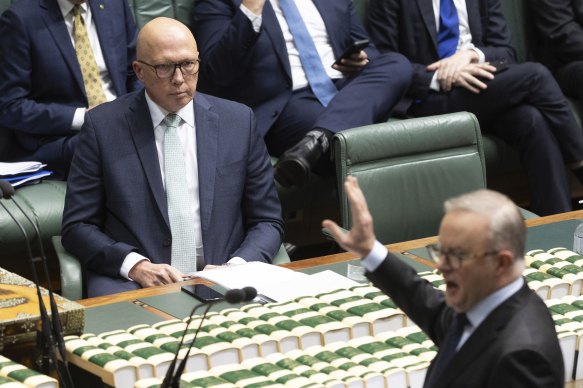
275	282
19	167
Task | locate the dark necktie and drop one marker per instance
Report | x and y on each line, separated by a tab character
449	29
447	349
321	84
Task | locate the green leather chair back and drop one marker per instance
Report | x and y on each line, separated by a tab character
408	168
520	22
146	10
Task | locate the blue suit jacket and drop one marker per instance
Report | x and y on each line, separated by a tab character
41	84
116	201
252	68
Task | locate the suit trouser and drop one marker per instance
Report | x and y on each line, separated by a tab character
570	79
362	99
525	107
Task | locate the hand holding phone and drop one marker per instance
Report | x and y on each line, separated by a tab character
354	48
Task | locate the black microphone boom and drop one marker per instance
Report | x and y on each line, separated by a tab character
172	378
52	329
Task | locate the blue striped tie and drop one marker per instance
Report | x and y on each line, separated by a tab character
321	84
449	29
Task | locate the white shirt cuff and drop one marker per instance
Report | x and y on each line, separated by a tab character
131	259
256	20
481	56
376	256
78	119
434	85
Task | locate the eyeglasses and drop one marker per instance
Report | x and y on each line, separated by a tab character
453	259
167	70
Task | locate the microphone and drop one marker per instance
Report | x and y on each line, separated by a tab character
235	295
51	329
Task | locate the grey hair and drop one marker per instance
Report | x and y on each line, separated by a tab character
507	228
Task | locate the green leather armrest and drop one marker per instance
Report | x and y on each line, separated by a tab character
71	272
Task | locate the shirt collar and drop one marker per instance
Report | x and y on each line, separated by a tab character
158	113
66	6
480	311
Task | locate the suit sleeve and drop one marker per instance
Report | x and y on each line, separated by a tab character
18	108
132	82
260	205
556	22
226	40
524	368
495	41
85	209
415	296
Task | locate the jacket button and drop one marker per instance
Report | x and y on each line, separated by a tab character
167	242
275	113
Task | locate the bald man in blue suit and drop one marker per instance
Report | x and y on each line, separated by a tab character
42	94
117	217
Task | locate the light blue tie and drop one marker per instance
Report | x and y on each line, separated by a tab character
449	29
180	205
321	84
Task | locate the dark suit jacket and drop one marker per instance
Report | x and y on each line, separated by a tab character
40	79
515	346
408	27
252	68
560	26
116	202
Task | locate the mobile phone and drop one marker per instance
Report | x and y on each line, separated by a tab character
500	65
203	293
355	47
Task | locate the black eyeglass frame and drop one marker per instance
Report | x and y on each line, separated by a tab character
454	259
180	65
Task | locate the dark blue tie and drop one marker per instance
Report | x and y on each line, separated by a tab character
321	84
449	29
447	349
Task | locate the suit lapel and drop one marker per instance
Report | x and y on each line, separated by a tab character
53	19
102	18
142	132
482	337
207	135
426	10
270	25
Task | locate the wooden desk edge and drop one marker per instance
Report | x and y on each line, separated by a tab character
302	264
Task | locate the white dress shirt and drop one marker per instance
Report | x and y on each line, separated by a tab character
317	30
66	7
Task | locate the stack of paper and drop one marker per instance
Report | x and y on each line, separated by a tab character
275	282
20	173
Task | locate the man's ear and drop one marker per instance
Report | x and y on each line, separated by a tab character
138	69
505	260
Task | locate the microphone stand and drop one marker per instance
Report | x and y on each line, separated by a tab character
54	328
172	378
